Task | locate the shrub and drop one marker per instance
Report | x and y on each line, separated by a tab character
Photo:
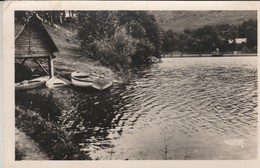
115	51
119	39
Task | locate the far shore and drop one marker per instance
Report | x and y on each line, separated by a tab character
206	55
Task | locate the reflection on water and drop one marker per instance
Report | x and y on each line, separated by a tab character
183	108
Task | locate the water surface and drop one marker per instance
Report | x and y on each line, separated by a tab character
183	108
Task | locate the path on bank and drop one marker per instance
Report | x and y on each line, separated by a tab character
29	148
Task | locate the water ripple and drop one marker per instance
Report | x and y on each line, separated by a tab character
187	106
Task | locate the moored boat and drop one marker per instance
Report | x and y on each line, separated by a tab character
55	82
31	84
80	79
102	83
88	80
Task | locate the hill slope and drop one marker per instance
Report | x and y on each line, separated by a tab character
180	20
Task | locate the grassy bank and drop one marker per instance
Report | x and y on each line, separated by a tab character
53	140
70	57
26	148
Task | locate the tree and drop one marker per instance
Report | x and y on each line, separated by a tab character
250	29
54	17
99	32
169	41
148	22
96	25
21	17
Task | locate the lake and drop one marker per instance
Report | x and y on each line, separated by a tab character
182	108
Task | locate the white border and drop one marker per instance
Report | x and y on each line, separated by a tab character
8	74
1	88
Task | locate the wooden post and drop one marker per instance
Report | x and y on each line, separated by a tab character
29	52
23	61
41	66
51	68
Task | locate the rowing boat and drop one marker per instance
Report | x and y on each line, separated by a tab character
102	83
55	82
88	80
31	84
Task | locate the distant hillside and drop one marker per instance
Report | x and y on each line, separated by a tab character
180	20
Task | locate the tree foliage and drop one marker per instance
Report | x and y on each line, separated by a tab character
208	38
119	38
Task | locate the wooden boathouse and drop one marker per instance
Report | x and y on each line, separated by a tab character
33	42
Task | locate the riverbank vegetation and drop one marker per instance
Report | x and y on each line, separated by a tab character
119	39
55	141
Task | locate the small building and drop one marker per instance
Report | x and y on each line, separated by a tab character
240	40
34	42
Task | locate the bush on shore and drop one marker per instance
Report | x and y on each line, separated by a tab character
119	39
115	51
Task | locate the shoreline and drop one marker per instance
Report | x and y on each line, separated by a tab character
207	55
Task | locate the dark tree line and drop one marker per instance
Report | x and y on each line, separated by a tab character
55	17
208	38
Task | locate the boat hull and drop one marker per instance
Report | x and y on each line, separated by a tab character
85	80
55	82
31	84
102	83
79	79
78	83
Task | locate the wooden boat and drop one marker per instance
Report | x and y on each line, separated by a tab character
102	83
82	79
55	82
87	80
31	84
